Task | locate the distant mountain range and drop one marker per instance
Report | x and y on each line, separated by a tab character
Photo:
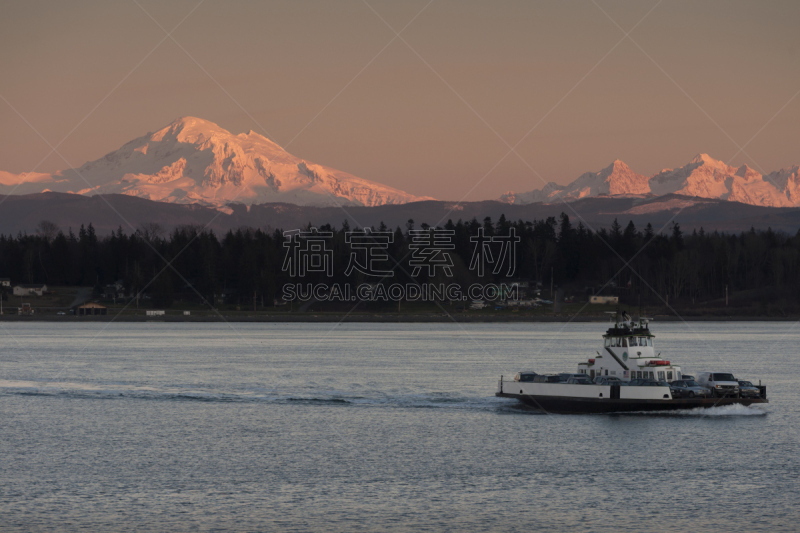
194	161
23	213
703	177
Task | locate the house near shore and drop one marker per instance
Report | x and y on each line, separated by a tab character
36	289
603	299
91	308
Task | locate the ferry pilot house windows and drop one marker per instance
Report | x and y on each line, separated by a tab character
641	341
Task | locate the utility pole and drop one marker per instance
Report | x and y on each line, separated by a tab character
726	296
254	301
551	283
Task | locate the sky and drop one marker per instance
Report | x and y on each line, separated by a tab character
472	99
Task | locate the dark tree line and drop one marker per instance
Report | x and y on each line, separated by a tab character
192	264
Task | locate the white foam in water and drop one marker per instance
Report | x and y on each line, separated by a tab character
724	410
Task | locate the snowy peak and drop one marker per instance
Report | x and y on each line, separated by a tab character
192	160
189	130
204	133
704	159
703	177
787	181
616	179
706	177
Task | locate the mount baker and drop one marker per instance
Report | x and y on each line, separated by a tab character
703	177
194	161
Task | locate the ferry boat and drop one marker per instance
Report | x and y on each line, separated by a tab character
631	376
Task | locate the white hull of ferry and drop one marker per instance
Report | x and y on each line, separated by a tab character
568	398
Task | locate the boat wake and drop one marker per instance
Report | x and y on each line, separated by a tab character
312	397
722	410
725	410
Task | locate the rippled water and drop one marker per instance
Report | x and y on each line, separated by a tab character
378	427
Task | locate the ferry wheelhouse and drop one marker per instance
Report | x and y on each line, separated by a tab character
628	353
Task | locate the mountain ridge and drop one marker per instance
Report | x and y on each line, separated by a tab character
24	213
702	177
195	161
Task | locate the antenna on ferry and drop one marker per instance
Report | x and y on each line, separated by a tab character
639	311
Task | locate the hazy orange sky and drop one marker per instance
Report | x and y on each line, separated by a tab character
431	112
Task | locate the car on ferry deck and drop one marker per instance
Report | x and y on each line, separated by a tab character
608	380
688	388
579	381
566	376
748	390
720	383
525	377
647	383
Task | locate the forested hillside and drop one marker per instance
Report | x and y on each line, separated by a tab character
639	264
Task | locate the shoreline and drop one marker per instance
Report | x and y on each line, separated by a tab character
374	318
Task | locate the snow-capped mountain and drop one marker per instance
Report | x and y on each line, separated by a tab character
787	180
703	177
709	178
195	161
615	179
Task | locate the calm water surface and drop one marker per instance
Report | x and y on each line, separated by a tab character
378	427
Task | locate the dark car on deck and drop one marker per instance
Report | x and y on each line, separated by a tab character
688	388
579	381
608	380
748	390
647	383
565	376
540	378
